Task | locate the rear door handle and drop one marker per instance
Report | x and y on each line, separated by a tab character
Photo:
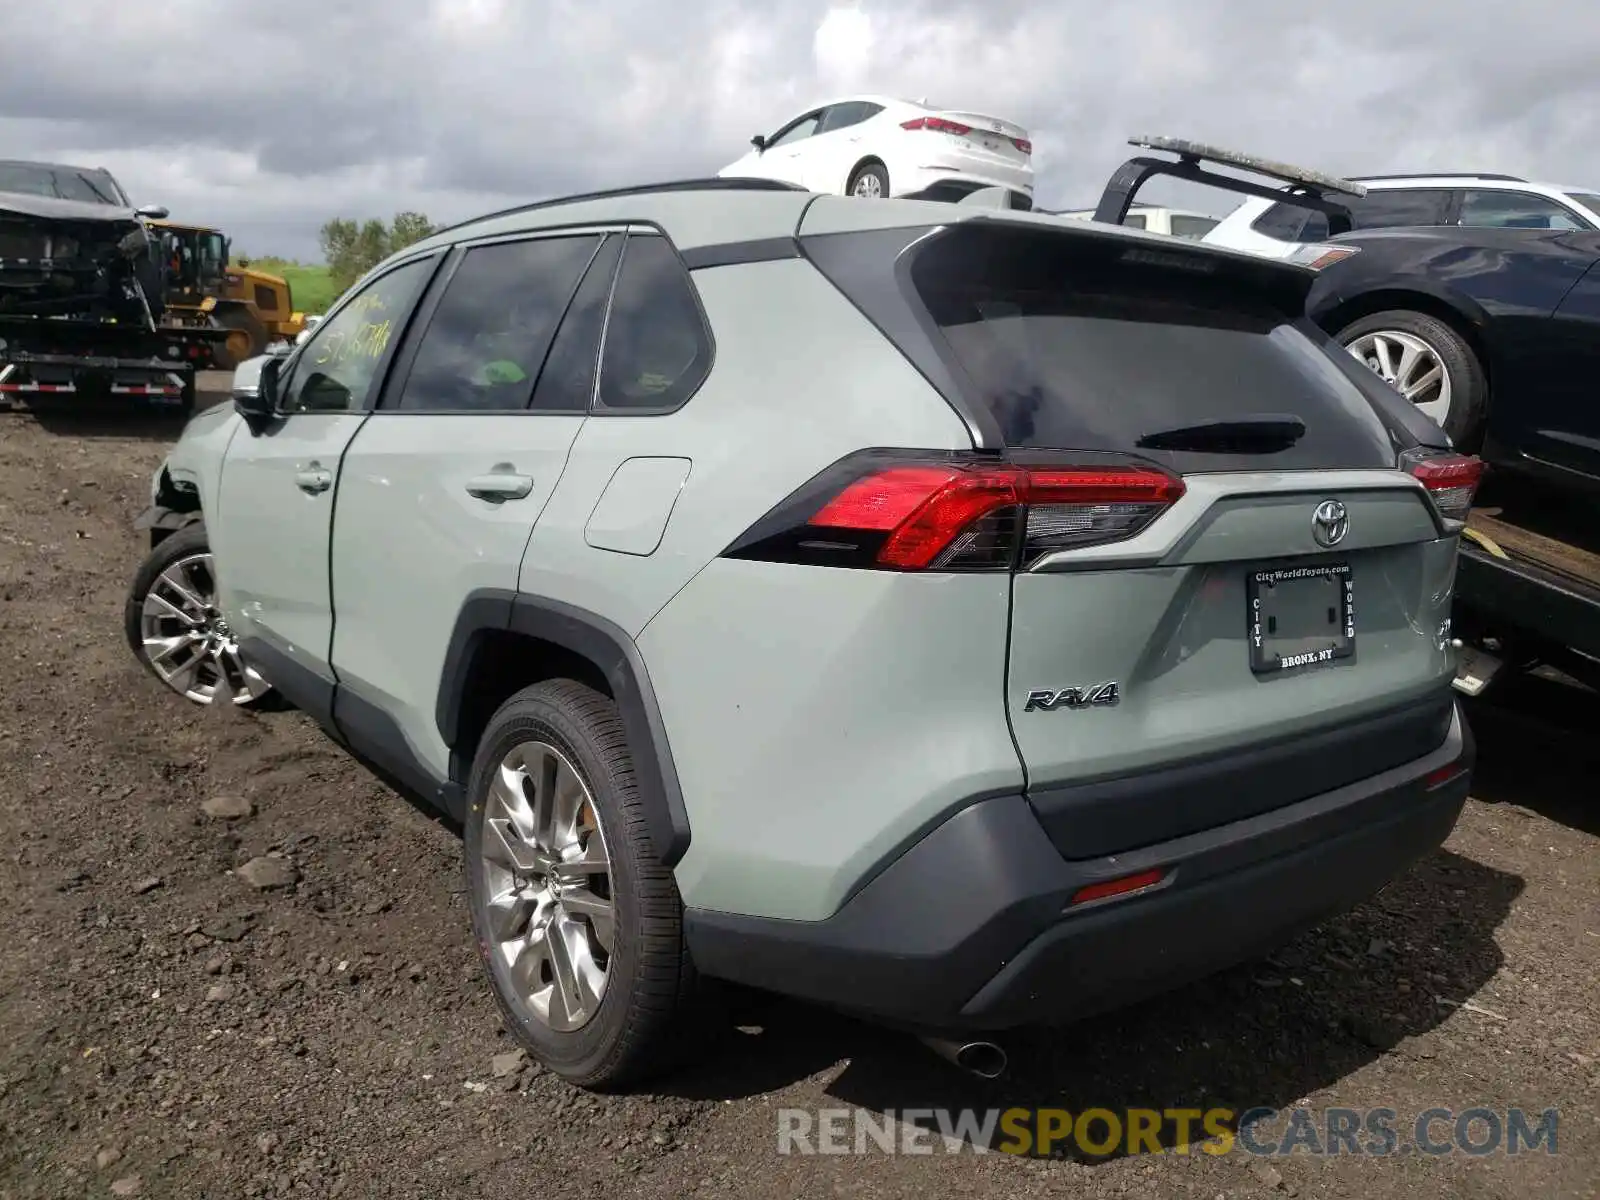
502	483
313	478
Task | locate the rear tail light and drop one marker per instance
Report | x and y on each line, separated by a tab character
949	514
1317	255
1023	144
937	125
1451	479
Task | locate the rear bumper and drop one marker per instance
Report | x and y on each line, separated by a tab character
972	927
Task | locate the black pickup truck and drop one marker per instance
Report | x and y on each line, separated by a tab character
1525	304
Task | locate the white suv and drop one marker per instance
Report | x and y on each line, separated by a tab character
1268	227
1174	222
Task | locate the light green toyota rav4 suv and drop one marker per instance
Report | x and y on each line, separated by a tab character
962	618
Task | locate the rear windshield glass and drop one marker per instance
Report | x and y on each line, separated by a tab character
1070	345
1589	200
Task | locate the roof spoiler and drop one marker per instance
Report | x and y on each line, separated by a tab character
1309	189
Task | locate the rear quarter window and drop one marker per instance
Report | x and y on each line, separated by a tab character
657	348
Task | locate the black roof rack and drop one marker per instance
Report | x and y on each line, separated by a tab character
1445	175
716	183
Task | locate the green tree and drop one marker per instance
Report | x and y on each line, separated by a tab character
372	244
352	248
338	238
408	228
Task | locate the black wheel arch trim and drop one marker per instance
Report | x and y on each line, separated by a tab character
1333	310
159	520
614	653
866	160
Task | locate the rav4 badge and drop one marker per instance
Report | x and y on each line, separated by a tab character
1095	695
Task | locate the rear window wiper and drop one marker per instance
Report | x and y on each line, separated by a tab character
1251	433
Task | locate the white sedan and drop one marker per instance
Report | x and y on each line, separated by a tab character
874	146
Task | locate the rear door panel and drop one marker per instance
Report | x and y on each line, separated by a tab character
1557	414
417	531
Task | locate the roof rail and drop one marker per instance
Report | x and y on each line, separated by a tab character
1310	188
1445	175
714	183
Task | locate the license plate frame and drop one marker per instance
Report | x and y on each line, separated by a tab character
1260	590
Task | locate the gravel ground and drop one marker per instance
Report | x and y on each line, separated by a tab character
178	1023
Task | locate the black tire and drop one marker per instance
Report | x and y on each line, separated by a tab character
873	170
1469	383
654	1008
241	320
189	540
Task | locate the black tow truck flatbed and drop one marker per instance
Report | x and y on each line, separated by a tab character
1527	587
48	359
1525	598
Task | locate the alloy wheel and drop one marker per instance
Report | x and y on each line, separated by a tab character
547	877
187	641
868	187
1411	366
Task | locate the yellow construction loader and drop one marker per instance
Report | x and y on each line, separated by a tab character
204	288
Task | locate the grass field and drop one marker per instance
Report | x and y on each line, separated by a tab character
310	287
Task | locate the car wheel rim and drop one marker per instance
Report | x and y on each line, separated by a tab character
188	643
868	187
547	886
1409	364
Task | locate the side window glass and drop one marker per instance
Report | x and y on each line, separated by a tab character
1396	207
487	339
1192	227
1513	210
835	116
336	368
1134	221
657	351
803	128
1285	222
842	116
567	382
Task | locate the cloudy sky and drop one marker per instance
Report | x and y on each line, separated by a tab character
269	118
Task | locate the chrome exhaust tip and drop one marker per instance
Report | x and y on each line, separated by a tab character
983	1059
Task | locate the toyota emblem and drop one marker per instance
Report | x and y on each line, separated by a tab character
1330	523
